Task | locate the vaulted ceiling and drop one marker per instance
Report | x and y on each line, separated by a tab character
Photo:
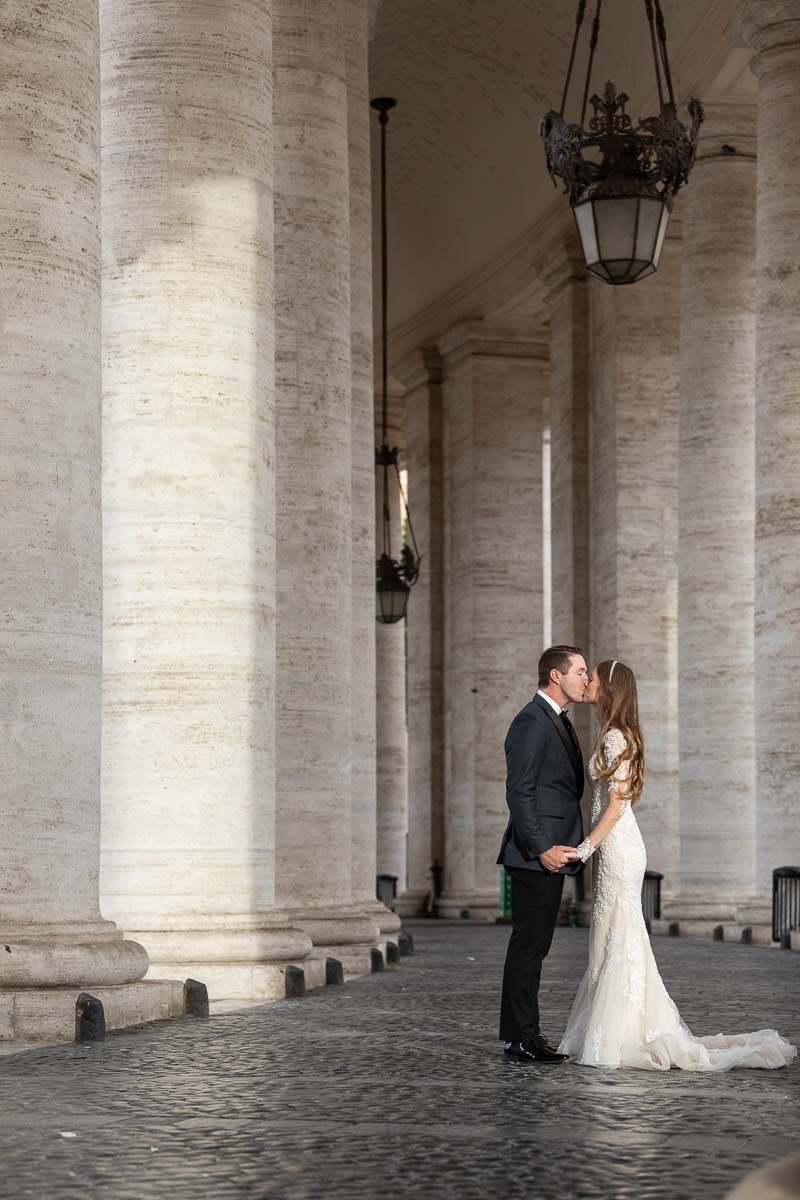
471	77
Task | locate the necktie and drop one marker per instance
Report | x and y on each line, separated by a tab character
573	737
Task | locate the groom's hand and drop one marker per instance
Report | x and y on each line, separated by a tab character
555	858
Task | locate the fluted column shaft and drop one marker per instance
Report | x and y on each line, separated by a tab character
494	388
421	375
50	551
314	473
189	456
390	690
772	27
634	521
716	520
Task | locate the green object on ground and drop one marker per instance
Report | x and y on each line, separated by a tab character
505	893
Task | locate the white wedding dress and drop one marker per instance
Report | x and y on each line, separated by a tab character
622	1015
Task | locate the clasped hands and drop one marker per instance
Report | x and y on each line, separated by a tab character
557	857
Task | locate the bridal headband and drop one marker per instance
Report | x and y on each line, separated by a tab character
611	672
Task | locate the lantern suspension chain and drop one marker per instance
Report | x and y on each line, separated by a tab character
578	22
648	4
592	48
662	41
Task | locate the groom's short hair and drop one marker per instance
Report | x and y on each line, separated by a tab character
555	658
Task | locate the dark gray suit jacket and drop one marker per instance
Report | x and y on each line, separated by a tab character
544	785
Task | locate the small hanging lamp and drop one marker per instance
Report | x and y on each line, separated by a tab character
622	203
394	578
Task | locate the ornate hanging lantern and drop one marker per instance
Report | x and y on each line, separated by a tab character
394	577
622	203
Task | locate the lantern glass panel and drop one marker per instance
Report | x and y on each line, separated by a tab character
616	228
584	219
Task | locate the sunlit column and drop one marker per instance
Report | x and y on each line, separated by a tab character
316	809
189	499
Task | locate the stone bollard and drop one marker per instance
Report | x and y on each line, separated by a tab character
392	952
195	998
786	940
90	1019
778	1181
719	934
674	929
747	936
295	983
334	972
406	943
376	960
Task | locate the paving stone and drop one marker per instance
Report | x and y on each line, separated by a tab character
395	1086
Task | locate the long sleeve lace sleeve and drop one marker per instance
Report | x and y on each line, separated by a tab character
618	795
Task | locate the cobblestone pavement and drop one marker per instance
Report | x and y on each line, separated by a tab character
394	1086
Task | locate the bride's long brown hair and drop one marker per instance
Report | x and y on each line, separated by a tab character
618	703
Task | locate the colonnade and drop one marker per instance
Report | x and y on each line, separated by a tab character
672	410
219	642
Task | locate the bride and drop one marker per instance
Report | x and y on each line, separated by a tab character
622	1015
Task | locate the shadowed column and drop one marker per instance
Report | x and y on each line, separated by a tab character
494	388
633	465
421	375
772	27
716	521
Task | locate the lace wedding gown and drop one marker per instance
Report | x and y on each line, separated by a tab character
622	1015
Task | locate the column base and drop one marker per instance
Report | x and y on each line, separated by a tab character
413	904
237	958
474	906
48	1014
348	933
50	962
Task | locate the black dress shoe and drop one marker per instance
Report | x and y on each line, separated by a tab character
535	1050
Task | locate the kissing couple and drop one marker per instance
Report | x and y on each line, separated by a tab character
622	1015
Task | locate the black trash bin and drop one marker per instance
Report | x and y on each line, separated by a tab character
785	901
387	890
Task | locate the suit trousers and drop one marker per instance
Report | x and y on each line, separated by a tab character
535	900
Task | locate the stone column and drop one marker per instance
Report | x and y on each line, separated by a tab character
494	389
565	277
315	805
634	354
716	521
390	691
772	27
365	741
189	452
51	644
421	374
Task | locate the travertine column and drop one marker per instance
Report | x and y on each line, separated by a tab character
390	689
772	27
494	388
314	479
363	783
362	613
50	549
421	374
633	459
716	521
189	490
565	276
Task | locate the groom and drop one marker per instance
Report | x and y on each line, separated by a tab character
544	785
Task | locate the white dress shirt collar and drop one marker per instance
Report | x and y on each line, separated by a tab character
556	707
